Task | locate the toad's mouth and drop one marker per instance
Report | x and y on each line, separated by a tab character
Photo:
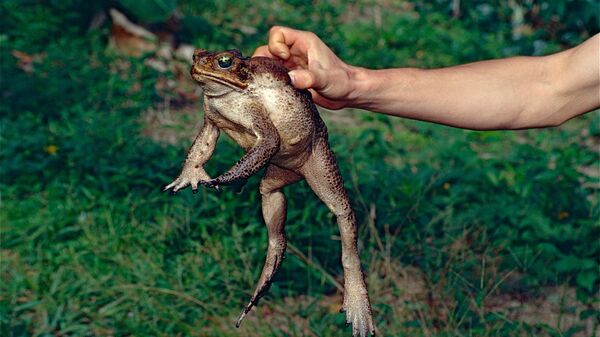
203	77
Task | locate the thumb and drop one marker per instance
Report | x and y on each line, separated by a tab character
305	79
302	79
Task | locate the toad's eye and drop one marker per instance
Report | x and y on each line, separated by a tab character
225	61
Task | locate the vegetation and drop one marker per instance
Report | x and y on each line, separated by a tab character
462	233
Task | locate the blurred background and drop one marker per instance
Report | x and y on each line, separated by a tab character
462	233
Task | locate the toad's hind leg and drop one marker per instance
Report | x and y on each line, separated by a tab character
323	176
274	212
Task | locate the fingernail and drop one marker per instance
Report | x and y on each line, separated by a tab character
292	77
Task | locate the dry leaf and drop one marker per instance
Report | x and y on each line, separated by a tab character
130	38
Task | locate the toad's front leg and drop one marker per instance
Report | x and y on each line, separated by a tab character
323	176
274	213
200	151
265	147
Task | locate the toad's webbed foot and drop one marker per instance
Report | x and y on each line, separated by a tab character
357	308
323	176
273	262
274	212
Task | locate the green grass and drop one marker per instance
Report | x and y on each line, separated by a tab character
454	224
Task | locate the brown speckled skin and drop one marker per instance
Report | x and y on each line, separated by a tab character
253	101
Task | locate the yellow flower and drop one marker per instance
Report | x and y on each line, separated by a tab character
446	186
51	149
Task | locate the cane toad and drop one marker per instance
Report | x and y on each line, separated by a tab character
252	101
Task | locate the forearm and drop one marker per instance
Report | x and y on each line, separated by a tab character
473	96
255	159
264	148
203	146
513	93
193	171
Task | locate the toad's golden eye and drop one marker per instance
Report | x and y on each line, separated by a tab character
225	61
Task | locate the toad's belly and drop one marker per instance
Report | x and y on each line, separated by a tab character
294	118
244	139
291	155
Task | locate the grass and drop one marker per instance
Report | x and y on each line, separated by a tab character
462	233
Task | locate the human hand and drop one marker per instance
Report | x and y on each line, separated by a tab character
313	66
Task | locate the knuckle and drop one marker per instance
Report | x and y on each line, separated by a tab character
274	29
311	35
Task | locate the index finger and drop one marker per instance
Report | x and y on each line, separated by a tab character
263	51
280	40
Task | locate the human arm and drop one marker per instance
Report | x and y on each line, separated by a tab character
511	93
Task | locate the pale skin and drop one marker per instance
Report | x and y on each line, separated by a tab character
504	94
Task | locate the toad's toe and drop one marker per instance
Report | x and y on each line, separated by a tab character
358	313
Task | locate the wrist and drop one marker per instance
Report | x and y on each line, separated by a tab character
362	83
383	90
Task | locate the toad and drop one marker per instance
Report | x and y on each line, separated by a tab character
253	102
